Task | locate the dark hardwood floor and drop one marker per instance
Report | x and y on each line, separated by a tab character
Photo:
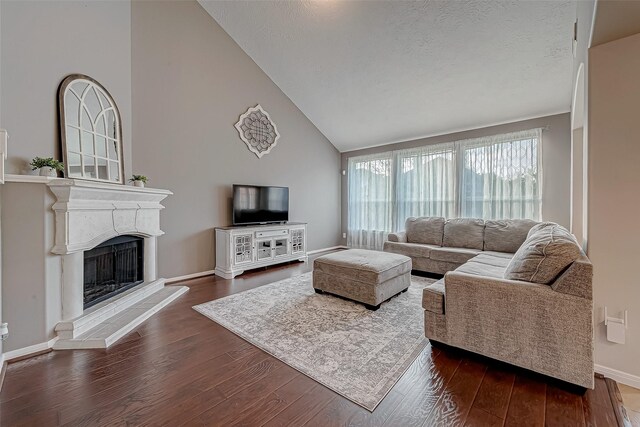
180	368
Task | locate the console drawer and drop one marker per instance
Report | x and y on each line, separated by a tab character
271	233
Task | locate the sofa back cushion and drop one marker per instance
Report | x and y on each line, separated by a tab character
543	256
425	230
464	233
506	235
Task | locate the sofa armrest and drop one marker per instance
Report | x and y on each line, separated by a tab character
400	237
577	279
521	323
466	279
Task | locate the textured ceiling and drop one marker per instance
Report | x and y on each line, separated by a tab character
371	73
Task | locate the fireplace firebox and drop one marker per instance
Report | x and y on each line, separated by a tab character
112	267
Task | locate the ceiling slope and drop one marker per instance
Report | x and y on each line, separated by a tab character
371	73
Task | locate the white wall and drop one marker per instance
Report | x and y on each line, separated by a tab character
44	41
578	187
614	195
191	82
30	297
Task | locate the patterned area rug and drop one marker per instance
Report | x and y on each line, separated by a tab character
357	353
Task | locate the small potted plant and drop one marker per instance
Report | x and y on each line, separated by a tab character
139	180
48	166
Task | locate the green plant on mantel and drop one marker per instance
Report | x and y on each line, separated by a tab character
141	178
40	162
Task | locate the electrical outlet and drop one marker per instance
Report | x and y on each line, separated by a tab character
344	235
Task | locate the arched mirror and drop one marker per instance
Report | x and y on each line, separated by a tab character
91	132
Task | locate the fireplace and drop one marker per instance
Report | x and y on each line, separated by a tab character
112	267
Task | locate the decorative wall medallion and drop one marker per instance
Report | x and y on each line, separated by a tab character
257	131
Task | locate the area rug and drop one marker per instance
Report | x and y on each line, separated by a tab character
355	352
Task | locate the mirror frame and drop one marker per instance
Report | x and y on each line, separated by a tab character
69	80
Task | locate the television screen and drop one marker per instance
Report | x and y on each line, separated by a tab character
254	204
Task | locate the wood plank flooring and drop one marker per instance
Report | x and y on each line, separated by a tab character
180	368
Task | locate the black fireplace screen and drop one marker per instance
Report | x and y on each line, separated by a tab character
112	267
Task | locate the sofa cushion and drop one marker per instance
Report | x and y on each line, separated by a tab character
481	269
464	233
493	258
433	297
363	265
426	230
456	255
503	255
543	256
415	250
506	235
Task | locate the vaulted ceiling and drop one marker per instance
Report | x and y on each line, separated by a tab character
372	73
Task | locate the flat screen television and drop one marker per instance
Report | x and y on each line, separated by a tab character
253	204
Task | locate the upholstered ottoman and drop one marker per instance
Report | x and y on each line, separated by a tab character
369	277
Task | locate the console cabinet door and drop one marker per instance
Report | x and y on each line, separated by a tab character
243	249
297	240
265	250
272	248
280	247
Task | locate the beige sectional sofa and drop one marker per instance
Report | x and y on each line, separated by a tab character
514	290
436	245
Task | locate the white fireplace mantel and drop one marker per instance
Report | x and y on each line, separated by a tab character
88	213
77	216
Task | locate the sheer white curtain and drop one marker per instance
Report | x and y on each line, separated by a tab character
500	176
370	203
385	189
497	177
425	182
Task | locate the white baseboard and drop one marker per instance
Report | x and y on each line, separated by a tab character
189	276
332	248
25	351
619	376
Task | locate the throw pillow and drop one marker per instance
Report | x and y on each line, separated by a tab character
543	256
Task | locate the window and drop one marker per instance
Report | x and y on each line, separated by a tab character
492	178
500	177
425	182
370	196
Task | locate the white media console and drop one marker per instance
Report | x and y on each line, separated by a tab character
246	247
